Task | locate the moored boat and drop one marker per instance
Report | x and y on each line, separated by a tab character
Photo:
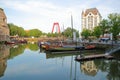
66	48
9	42
63	46
88	47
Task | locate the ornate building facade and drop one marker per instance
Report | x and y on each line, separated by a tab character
4	30
90	18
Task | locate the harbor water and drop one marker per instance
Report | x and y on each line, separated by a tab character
29	62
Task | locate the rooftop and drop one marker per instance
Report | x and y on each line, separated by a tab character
92	10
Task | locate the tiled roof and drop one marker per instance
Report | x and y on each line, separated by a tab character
92	10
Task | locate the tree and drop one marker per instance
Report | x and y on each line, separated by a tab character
16	30
53	34
35	32
21	31
49	34
68	32
104	25
114	22
97	31
13	29
86	33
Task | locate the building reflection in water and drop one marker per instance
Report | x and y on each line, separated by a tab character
4	54
89	68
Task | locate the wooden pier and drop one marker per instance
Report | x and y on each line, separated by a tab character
91	57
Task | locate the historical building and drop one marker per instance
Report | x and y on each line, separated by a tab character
90	18
4	30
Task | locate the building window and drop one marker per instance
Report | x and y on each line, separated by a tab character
95	21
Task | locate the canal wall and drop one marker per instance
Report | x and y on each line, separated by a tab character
4	30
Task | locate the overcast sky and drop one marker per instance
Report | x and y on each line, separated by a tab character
41	14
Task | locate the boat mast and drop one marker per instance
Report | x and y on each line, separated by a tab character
72	25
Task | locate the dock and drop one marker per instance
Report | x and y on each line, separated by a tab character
91	57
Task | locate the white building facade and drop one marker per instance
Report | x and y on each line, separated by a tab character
90	18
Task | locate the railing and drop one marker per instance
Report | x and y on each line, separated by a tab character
113	50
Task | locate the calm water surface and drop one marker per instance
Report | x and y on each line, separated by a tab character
28	62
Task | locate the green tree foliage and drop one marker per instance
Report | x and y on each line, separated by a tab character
97	31
114	22
104	25
49	34
86	33
53	34
35	33
15	30
21	31
110	25
68	32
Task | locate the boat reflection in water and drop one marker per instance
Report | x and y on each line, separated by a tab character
28	62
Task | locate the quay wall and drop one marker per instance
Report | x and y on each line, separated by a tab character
4	30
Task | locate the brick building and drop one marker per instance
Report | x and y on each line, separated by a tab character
4	30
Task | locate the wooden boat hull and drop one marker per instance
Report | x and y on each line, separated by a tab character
7	42
63	49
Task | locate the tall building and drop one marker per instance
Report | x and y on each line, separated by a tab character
90	18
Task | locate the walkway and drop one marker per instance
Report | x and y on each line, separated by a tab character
90	57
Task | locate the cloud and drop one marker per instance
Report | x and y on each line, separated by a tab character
42	14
